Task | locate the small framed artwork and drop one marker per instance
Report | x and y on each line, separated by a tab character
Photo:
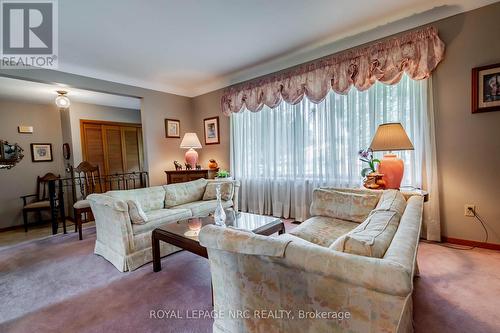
41	152
486	88
211	130
172	128
25	129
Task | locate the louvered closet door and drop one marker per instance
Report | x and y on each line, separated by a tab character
113	151
92	145
132	148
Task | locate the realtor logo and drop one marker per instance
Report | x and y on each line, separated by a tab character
29	33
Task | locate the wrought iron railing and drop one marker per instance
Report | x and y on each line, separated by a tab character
64	192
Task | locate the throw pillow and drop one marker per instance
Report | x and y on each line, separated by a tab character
136	213
348	206
226	191
371	238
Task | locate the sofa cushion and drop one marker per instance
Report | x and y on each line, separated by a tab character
182	193
150	198
226	191
322	230
136	213
342	205
372	237
159	217
392	200
203	208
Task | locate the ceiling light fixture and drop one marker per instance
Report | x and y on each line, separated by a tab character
62	101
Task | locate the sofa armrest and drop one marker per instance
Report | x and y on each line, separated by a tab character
242	242
113	225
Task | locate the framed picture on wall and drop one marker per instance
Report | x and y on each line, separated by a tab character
172	128
486	88
211	126
41	152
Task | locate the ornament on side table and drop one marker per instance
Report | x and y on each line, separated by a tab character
212	164
372	179
188	166
177	165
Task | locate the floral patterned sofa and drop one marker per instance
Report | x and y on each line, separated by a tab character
349	268
125	219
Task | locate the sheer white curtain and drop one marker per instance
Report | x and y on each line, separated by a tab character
280	155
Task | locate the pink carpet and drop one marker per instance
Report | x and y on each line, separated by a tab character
58	285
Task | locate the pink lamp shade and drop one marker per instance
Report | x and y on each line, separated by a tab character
191	141
389	137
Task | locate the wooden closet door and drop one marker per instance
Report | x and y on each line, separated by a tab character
132	148
92	144
113	150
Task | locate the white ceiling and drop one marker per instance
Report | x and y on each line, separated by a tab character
46	93
191	47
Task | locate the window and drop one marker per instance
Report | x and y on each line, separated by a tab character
316	144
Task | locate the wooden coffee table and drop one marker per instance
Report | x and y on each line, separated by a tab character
184	234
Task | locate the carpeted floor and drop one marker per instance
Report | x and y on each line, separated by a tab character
57	284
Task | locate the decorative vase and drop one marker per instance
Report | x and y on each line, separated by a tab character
374	181
219	214
392	168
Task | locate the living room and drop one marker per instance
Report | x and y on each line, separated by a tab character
262	167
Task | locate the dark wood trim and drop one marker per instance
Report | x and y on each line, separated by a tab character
33	152
475	90
465	242
166	129
205	131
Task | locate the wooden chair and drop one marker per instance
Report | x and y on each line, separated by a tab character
89	182
40	200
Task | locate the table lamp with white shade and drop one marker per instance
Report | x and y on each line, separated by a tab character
391	137
190	141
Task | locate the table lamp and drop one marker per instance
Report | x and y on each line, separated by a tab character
191	141
390	137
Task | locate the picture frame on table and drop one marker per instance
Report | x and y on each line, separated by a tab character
172	128
211	129
486	88
41	152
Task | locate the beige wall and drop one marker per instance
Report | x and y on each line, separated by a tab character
468	145
206	106
21	179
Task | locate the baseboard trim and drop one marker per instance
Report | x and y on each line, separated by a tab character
458	241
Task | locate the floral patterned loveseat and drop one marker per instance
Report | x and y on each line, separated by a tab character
349	268
125	219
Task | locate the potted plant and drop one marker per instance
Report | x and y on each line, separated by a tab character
222	174
372	179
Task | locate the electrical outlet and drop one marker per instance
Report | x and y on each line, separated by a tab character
470	210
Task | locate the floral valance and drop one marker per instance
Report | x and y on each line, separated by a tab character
416	53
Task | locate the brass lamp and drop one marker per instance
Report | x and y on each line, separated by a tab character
391	137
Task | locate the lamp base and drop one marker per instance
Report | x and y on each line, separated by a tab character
191	157
392	167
